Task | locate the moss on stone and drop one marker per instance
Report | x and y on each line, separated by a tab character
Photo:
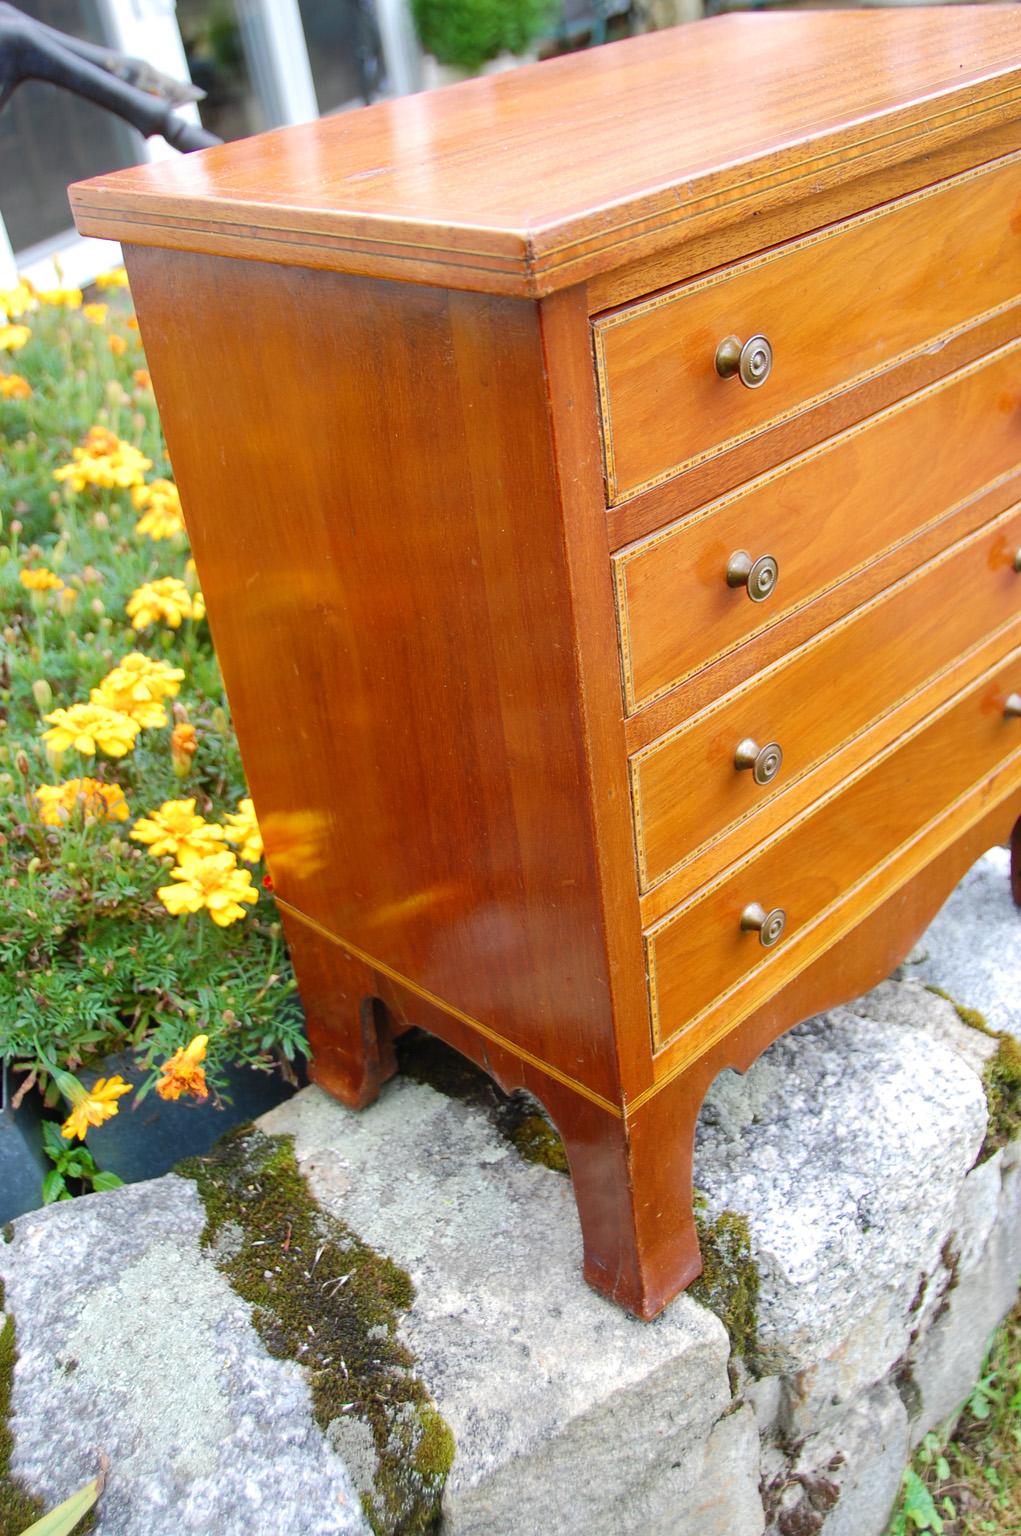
326	1299
729	1282
1002	1079
538	1140
18	1508
970	1016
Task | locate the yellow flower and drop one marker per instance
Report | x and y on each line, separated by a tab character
88	726
118	278
184	743
167	598
67	298
162	517
214	883
137	686
183	1074
39	579
14	387
104	460
18	301
91	1106
177	830
243	828
12	337
97	313
97	802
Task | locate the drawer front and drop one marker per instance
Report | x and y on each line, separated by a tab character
836	307
688	787
701	952
823	515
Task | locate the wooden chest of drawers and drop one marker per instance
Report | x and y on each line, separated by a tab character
605	482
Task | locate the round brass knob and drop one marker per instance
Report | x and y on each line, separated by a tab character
768	925
751	361
1012	708
1017	560
764	762
758	577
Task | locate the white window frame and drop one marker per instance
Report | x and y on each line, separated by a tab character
282	76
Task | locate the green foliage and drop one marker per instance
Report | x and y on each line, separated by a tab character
72	1164
91	962
324	1298
1002	1079
468	33
968	1482
67	1517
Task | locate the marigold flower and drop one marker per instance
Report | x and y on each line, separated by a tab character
184	743
18	301
13	337
91	1106
183	1072
39	579
242	828
66	298
142	379
96	801
88	726
14	387
214	883
161	503
137	686
104	460
118	346
166	599
96	313
118	278
176	829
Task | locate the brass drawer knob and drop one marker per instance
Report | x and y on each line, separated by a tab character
758	577
768	925
1017	560
1012	708
764	762
751	361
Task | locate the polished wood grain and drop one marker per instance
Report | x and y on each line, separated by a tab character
631	520
700	953
828	511
395	494
537	179
389	601
869	292
686	787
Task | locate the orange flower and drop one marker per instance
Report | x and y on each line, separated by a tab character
14	387
91	1106
183	746
141	379
183	1072
118	346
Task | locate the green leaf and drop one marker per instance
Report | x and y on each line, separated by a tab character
62	1520
106	1181
918	1504
54	1143
942	1468
53	1187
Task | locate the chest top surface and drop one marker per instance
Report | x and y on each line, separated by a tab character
535	179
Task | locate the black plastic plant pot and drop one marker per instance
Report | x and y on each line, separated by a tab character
147	1138
23	1164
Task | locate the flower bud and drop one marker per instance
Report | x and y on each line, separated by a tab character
97	605
220	722
66	599
43	695
21	762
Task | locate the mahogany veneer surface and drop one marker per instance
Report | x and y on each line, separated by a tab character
463	484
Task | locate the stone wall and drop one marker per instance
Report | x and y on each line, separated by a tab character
883	1229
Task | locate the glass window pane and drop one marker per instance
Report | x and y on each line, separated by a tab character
48	138
343	50
219	56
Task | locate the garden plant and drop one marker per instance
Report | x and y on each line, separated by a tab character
136	912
